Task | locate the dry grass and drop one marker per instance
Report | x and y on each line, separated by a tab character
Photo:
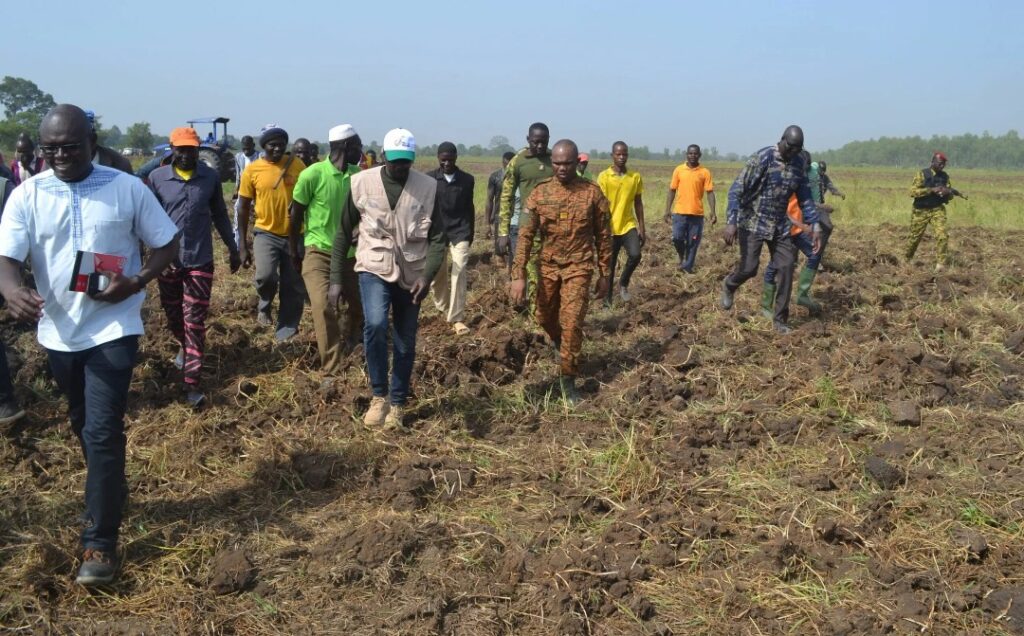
713	481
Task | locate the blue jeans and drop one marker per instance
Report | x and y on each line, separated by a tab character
803	243
687	231
96	383
378	297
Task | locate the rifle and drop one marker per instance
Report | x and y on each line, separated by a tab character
957	193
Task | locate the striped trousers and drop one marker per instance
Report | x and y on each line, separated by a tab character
185	297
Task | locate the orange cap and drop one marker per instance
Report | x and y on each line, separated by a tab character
184	136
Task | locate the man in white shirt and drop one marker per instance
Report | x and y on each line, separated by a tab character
91	338
242	161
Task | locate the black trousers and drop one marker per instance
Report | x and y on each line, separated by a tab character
783	254
631	241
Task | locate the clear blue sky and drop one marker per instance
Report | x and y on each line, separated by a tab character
724	74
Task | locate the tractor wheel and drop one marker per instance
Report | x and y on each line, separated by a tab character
211	159
227	166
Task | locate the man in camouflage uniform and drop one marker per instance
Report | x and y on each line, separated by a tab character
931	191
569	215
529	167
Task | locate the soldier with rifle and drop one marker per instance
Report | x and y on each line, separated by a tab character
931	190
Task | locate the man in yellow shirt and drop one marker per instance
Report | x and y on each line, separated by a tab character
269	182
624	190
684	206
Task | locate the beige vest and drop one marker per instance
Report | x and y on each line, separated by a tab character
393	243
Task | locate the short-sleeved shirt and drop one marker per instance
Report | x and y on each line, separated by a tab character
323	189
271	201
49	220
690	185
621	192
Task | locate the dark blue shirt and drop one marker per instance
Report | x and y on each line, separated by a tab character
760	195
194	206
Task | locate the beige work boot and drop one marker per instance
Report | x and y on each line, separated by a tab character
394	419
376	414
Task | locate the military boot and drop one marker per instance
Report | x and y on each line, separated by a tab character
803	290
768	300
567	384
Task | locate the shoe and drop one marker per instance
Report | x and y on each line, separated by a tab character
285	333
686	270
179	360
98	568
395	420
460	328
768	300
10	412
782	328
567	385
264	318
378	410
727	295
195	398
625	295
681	267
803	291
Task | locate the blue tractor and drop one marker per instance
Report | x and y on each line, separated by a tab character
214	150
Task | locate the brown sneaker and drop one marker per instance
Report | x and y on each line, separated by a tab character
394	420
377	412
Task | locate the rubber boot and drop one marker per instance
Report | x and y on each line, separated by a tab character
570	395
768	300
803	290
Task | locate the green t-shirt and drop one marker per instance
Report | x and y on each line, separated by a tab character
323	189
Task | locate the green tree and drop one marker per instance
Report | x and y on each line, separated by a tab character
114	137
139	135
24	106
19	95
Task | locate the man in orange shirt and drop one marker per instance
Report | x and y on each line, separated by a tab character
684	207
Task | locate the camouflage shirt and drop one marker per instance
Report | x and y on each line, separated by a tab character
572	221
759	196
523	173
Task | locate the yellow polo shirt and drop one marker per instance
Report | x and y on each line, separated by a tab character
621	192
271	201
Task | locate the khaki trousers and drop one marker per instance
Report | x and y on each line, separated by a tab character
450	297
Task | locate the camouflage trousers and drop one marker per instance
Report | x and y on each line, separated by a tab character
561	307
919	221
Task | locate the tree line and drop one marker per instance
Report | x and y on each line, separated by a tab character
966	151
24	105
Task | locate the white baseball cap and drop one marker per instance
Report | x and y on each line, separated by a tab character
341	132
399	144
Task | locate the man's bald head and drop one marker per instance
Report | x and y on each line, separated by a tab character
564	159
566	146
67	118
792	142
66	139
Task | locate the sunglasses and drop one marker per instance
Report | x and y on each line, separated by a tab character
51	150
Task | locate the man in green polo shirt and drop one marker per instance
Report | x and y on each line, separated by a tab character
319	195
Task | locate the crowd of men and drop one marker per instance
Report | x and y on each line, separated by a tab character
376	238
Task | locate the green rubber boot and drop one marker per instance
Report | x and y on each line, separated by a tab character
803	290
768	300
